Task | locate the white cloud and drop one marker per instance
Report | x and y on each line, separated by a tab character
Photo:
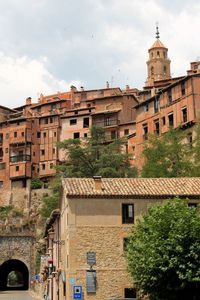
21	77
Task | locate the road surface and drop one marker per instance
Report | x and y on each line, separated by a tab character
16	295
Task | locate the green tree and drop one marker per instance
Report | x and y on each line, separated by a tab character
163	252
168	156
95	156
51	202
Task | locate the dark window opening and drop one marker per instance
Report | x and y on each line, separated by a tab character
1	184
171	120
146	107
73	121
157	127
107	121
22	133
42	152
38	135
85	135
46	121
156	104
17	168
145	132
158	53
130	293
15	134
51	119
43	166
127	213
169	96
164	70
76	135
44	134
184	114
54	133
54	151
183	88
163	121
86	122
113	134
126	131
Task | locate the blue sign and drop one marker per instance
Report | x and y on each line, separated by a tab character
72	281
77	292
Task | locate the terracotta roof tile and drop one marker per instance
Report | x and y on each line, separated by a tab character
158	44
133	187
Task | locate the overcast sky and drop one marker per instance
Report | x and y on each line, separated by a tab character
47	45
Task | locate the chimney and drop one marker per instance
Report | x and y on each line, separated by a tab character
127	87
107	85
97	183
73	88
28	101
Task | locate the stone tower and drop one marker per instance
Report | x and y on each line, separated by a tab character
158	64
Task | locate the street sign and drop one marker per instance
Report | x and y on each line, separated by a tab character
91	258
77	292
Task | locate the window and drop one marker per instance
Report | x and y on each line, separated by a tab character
113	134
46	121
86	122
169	96
51	119
107	121
145	131
76	112
44	134
38	135
76	135
164	70
43	166
156	104
152	70
163	121
192	204
54	151
15	134
130	293
42	152
73	121
1	184
54	134
156	127
85	135
171	120
2	166
184	114
146	107
183	88
51	165
17	168
22	134
1	152
158	53
91	281
127	213
126	131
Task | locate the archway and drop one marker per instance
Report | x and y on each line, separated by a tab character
14	275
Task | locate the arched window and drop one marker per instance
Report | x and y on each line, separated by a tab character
164	70
152	70
158	53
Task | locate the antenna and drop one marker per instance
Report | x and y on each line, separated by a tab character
157	31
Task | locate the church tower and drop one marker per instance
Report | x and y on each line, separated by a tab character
158	64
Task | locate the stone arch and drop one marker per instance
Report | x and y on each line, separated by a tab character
14	265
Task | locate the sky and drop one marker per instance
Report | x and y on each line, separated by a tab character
48	45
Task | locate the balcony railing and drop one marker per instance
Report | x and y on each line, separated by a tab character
106	122
21	157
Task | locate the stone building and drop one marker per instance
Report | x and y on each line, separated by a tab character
86	239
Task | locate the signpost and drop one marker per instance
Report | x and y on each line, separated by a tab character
77	292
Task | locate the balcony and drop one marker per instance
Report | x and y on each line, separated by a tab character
21	157
106	122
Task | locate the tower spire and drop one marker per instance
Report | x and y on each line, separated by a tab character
157	31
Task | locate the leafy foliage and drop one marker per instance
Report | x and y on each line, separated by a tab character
168	156
95	156
163	252
7	211
49	203
36	183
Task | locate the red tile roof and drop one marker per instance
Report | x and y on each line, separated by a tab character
158	44
132	187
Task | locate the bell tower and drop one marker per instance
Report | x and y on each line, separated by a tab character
158	64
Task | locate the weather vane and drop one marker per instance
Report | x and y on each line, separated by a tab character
157	31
